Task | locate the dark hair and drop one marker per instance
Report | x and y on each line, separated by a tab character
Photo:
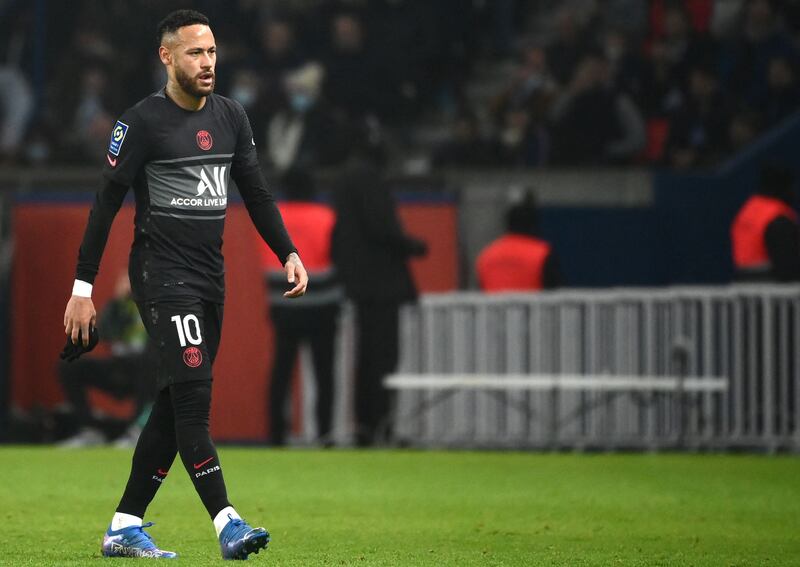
178	19
522	218
777	181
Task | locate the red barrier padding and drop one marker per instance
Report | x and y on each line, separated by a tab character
47	237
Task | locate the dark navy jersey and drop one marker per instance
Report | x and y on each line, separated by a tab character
180	164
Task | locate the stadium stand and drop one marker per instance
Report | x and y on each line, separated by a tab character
683	84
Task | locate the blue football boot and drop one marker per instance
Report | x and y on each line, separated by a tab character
237	539
133	541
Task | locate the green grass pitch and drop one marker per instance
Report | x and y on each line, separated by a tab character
423	508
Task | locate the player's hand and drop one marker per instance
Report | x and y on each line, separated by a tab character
79	316
295	274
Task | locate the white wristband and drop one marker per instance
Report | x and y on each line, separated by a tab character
82	289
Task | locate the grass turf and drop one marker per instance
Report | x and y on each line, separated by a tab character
423	508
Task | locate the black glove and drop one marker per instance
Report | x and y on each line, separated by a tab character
73	352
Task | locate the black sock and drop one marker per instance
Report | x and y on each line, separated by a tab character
191	402
155	451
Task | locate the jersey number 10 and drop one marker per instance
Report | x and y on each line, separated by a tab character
185	331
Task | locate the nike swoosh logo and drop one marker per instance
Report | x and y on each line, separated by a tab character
199	465
162	473
112	162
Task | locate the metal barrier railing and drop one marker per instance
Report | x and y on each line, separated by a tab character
749	335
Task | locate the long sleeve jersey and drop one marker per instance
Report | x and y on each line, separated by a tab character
179	164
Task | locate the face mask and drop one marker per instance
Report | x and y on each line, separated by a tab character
244	95
38	152
534	82
301	102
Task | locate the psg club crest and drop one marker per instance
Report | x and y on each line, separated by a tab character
192	357
204	141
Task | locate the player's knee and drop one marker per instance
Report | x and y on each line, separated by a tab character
191	402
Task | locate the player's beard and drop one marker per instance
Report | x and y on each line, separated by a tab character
190	85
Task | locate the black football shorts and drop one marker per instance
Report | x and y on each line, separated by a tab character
185	332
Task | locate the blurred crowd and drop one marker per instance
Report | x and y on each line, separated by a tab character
445	83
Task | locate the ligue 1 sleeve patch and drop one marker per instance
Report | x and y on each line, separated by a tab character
117	137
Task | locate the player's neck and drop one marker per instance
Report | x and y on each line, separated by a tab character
184	99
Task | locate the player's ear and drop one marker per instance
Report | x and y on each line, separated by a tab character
165	55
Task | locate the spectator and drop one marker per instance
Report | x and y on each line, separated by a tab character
123	374
698	128
744	127
522	110
312	321
783	96
353	81
569	47
93	119
519	260
765	234
280	54
280	51
454	53
662	91
532	84
403	41
625	66
16	110
83	97
305	133
402	62
682	47
725	17
763	39
370	252
245	90
16	94
594	123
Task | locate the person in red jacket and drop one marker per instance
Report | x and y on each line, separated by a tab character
765	235
314	322
519	260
